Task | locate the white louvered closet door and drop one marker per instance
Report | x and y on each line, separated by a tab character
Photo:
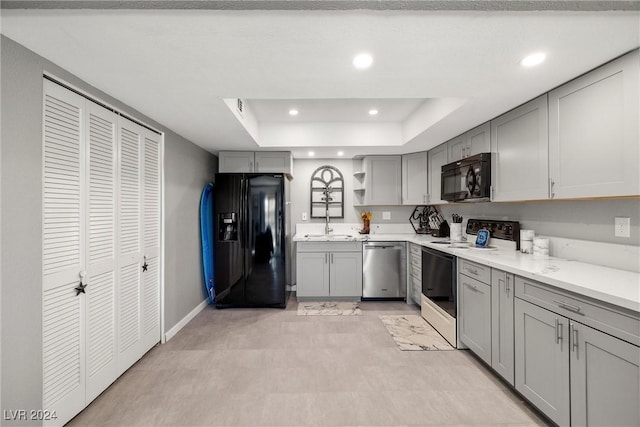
63	253
130	243
101	322
151	240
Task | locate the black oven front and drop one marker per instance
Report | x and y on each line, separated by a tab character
439	279
468	179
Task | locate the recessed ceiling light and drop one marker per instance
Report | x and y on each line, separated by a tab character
311	154
533	59
293	112
340	153
362	61
373	112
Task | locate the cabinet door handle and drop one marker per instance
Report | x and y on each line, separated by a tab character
558	331
472	287
507	287
326	258
472	270
569	307
574	339
331	257
551	184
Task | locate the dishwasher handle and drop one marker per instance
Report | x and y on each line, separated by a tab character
381	245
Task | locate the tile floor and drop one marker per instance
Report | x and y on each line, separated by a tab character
270	367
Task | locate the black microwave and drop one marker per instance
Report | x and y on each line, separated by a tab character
467	180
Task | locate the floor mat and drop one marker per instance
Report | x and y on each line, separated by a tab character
330	308
412	332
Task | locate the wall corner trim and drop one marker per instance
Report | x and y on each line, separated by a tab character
186	319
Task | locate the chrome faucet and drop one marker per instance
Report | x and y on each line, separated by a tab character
326	224
327	198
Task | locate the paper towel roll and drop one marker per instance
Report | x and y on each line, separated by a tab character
526	246
526	241
541	246
527	235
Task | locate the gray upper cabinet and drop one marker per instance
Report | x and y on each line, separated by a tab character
383	180
520	143
593	132
249	161
414	179
456	148
437	157
502	339
235	161
273	161
473	142
605	379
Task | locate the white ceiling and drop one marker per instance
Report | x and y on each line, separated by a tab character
333	110
435	75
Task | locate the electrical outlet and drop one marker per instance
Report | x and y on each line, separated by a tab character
622	226
386	215
304	216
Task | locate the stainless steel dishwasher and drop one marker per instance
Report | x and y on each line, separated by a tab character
384	270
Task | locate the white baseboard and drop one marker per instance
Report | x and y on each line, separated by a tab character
186	319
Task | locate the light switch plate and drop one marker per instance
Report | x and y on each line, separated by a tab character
386	215
304	216
622	226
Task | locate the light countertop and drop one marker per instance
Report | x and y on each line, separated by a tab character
617	287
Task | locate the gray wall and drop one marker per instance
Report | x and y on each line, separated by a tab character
187	168
573	219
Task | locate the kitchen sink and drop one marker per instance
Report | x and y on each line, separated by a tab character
329	237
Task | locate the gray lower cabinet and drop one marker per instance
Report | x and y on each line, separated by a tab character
575	374
312	270
475	316
345	274
329	269
605	379
414	282
502	338
542	359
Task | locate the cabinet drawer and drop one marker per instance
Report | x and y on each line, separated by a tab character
415	249
415	271
329	246
620	323
477	271
415	261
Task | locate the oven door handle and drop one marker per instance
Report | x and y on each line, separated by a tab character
438	254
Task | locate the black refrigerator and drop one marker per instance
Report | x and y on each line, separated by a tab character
250	262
